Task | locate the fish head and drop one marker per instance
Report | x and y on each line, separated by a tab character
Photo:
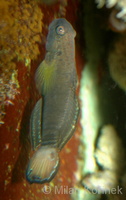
60	33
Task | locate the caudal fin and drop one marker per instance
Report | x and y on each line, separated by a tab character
43	165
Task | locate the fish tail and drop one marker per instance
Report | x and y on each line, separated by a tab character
43	165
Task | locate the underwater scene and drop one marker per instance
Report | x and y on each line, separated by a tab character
63	99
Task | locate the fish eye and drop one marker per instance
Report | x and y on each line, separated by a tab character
60	30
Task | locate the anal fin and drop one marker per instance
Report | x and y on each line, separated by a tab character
36	124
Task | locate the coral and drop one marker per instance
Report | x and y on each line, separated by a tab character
21	26
120	5
100	182
109	154
116	24
117	61
101	166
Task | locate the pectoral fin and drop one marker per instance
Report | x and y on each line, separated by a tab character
45	76
36	124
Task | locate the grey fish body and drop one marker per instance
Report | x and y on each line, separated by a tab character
60	107
56	80
61	120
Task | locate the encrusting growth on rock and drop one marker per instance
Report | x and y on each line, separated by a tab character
20	27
